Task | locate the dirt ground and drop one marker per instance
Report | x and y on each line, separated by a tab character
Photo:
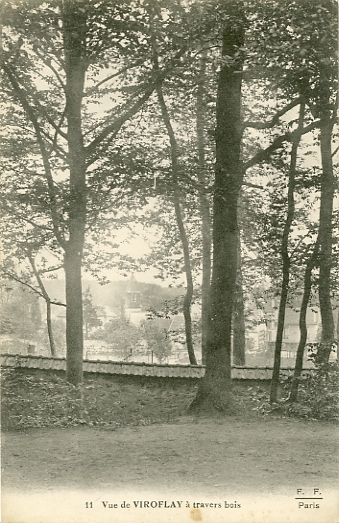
136	456
207	455
222	458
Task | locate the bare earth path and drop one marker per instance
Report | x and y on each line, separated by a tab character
225	461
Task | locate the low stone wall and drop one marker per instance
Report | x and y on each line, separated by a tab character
137	369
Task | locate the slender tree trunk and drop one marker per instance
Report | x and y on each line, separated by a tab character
183	236
302	323
214	390
74	34
286	259
239	332
189	281
47	301
325	235
204	207
176	201
49	328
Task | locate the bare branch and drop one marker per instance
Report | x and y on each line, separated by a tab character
52	269
115	126
25	219
91	90
119	121
52	68
335	151
12	276
253	185
54	145
278	142
274	120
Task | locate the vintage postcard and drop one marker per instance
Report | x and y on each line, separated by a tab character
169	272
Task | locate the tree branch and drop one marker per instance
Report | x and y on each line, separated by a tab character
52	269
278	142
118	123
25	219
12	276
52	68
335	151
274	120
48	173
115	126
91	90
54	145
253	185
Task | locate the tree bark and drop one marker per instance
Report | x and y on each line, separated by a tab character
74	317
239	332
183	236
302	323
177	208
48	304
49	328
214	390
286	261
325	236
204	208
189	282
74	35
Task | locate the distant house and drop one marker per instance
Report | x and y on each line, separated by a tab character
291	332
133	294
11	344
106	314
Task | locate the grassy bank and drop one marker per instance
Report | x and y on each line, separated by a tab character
43	399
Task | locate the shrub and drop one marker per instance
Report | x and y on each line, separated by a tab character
29	401
318	395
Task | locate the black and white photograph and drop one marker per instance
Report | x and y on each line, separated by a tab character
169	269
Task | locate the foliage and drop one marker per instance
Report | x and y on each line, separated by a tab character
167	309
61	405
295	44
58	328
157	339
121	335
20	312
289	50
32	399
318	395
91	318
44	400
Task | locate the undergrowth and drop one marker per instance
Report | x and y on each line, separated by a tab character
29	400
318	395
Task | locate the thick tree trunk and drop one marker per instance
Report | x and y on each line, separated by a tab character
302	323
214	390
204	208
239	332
286	259
74	317
325	236
74	34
